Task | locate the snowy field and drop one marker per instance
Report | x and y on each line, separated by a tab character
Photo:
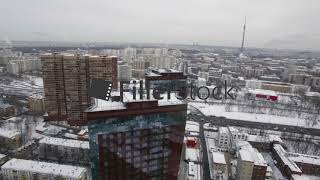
26	86
220	111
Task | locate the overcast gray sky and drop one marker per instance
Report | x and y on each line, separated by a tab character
270	23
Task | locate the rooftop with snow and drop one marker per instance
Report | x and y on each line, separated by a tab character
103	105
248	153
282	154
218	158
44	168
8	133
64	142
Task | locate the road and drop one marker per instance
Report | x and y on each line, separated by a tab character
222	121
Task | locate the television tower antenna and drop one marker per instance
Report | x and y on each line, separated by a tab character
243	33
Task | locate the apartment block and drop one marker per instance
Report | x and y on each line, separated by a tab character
245	165
66	150
32	170
18	66
250	164
224	138
66	79
219	166
36	104
6	110
236	136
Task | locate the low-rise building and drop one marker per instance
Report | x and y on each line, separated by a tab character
193	155
31	170
236	136
3	159
6	110
10	139
250	164
192	128
253	84
276	86
308	164
300	78
304	177
216	72
287	166
260	94
245	165
194	171
219	166
36	104
66	150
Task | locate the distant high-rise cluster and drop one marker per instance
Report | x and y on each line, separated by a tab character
66	81
16	67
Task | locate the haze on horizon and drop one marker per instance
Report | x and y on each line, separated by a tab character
287	24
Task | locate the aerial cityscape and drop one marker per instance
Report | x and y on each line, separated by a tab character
79	109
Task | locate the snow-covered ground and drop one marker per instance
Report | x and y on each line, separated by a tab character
312	148
26	86
220	111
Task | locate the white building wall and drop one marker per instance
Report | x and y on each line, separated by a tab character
13	68
253	84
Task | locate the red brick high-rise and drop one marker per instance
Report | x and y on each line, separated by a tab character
66	80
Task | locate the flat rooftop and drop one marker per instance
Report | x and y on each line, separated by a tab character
262	92
283	156
194	171
64	142
305	159
245	156
164	74
102	105
8	133
44	168
192	154
192	126
218	158
248	153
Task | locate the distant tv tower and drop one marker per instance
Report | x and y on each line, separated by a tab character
243	34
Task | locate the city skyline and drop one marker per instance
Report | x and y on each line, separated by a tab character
160	90
272	24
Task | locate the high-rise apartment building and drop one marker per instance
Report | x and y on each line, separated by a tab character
138	67
66	79
142	138
18	66
124	72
